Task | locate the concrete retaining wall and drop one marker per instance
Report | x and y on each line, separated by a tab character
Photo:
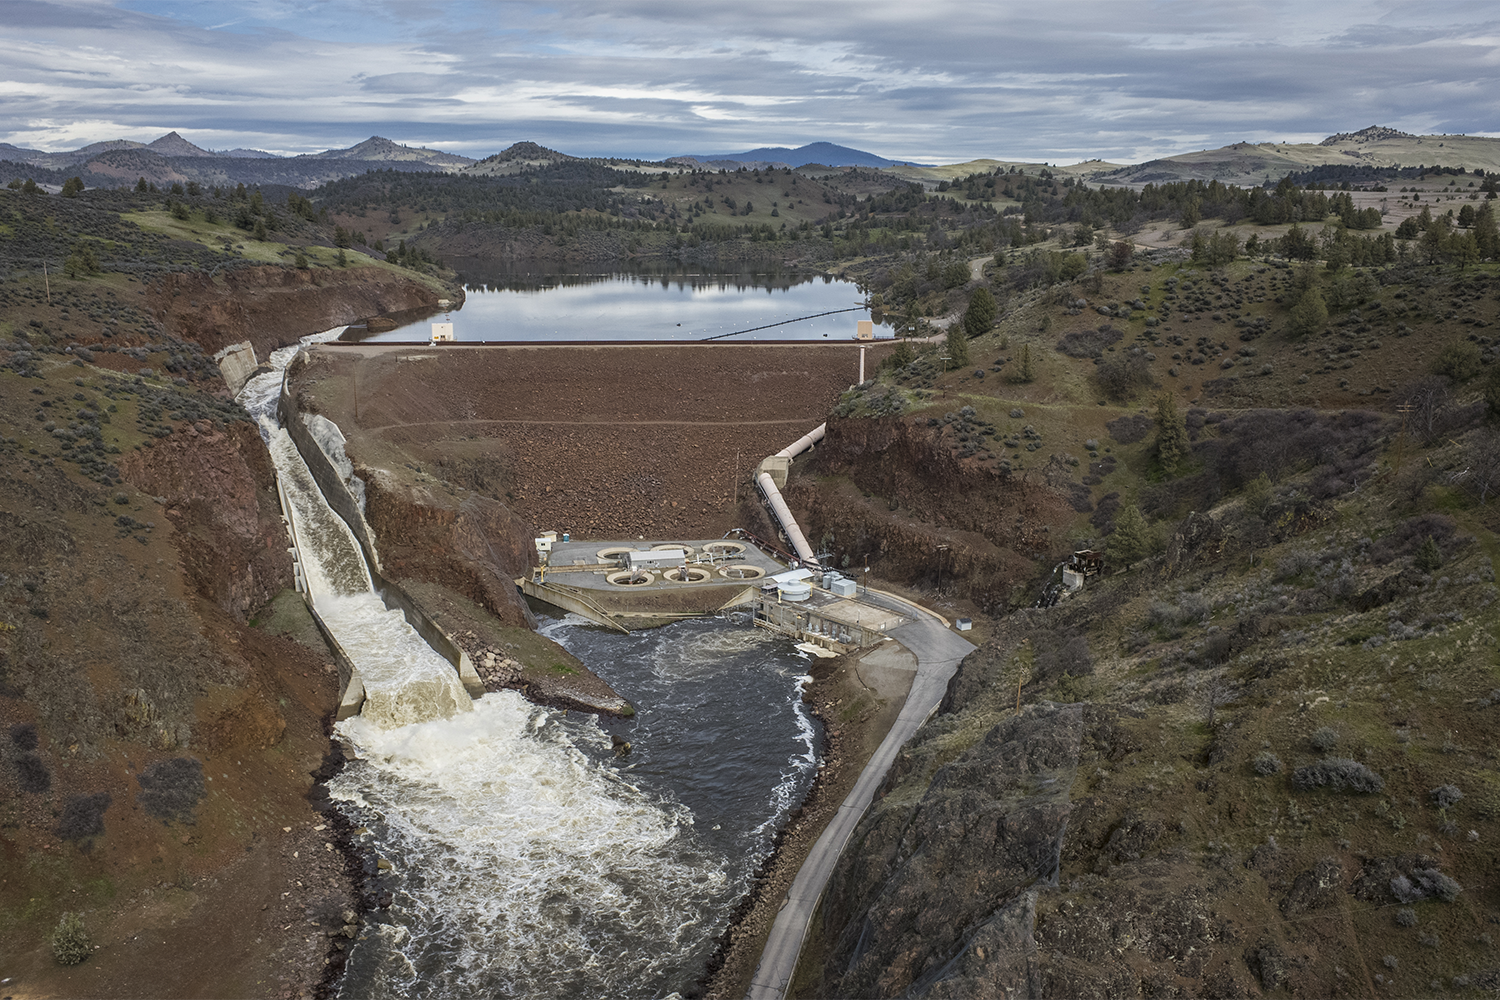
237	363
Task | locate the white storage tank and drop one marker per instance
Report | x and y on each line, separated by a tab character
794	590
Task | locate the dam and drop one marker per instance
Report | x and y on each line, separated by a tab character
521	857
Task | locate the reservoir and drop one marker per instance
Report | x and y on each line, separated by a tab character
519	306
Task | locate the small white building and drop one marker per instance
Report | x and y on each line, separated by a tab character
442	333
655	558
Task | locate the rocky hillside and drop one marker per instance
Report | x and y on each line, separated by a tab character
1254	756
157	747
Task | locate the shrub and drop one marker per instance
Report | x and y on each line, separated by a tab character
1324	740
1459	361
170	789
32	774
1130	429
1409	537
83	816
1089	343
1266	764
1120	376
1338	773
1406	917
1446	796
1424	883
70	942
1057	655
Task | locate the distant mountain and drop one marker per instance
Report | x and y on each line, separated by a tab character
19	154
1372	134
248	154
95	148
377	148
123	167
518	157
825	153
173	144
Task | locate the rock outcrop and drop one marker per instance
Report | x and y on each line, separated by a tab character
274	306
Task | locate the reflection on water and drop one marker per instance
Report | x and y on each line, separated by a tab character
664	304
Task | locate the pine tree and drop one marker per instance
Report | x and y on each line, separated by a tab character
957	345
1492	391
1131	539
1429	557
980	314
1310	314
1486	234
1171	434
1025	370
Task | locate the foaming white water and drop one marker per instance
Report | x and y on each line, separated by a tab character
331	559
786	795
260	393
527	870
405	680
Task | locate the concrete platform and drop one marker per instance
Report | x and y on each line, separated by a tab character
591	578
713	562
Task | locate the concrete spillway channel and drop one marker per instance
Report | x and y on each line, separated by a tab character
396	665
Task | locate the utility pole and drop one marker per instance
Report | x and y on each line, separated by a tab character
736	482
1404	409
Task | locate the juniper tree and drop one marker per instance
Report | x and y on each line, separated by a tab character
957	345
1131	538
980	314
1171	434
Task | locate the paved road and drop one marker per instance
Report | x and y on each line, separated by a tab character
938	650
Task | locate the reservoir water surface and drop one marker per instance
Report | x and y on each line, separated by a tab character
680	305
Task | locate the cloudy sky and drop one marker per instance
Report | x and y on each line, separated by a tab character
932	81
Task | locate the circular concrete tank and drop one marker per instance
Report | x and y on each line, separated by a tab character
725	549
687	549
627	578
742	572
694	575
613	553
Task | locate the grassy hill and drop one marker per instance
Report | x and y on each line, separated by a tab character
1254	163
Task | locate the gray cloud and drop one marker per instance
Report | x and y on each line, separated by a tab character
939	81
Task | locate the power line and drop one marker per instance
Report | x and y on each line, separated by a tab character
831	312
